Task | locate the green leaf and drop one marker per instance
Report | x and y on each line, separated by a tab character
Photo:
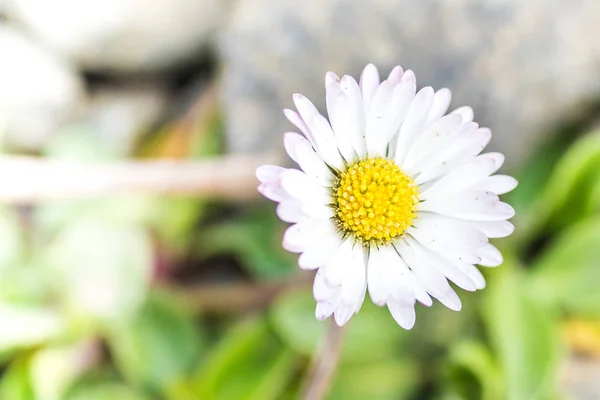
470	359
255	239
234	348
534	174
248	363
101	269
570	184
524	335
388	380
371	335
106	391
567	273
175	221
15	383
273	383
158	347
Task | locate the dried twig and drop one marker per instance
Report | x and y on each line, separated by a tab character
324	365
31	179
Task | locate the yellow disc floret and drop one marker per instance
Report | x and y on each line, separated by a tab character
375	201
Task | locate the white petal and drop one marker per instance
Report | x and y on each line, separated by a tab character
441	101
322	135
460	149
395	75
355	129
443	265
466	176
474	274
300	186
490	256
273	191
319	254
419	290
298	237
269	173
317	209
465	112
343	313
291	211
434	137
326	308
498	184
302	152
453	239
387	277
403	314
402	97
297	120
378	120
494	229
414	123
377	278
369	81
469	205
322	291
339	111
330	78
433	280
340	285
354	284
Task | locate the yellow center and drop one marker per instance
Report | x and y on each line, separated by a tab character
375	201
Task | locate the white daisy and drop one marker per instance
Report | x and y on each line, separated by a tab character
391	195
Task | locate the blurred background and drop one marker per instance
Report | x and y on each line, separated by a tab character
184	293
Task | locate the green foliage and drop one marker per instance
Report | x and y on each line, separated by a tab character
107	391
566	197
157	347
254	238
524	336
389	379
16	383
248	363
373	334
83	315
566	275
473	372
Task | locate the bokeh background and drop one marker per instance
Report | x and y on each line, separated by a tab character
141	297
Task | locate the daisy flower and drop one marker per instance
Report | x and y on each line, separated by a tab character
392	196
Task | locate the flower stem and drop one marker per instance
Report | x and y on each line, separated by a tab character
324	364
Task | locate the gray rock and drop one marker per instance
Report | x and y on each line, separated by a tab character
579	378
122	35
38	91
121	114
522	66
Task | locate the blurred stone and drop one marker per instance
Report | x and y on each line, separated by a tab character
122	113
122	35
38	91
523	66
580	378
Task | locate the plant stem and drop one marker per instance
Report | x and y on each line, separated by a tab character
324	365
32	179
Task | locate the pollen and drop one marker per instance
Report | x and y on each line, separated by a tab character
375	201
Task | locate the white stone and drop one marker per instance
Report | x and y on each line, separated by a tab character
121	114
124	35
38	91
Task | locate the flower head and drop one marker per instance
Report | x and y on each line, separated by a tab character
392	195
